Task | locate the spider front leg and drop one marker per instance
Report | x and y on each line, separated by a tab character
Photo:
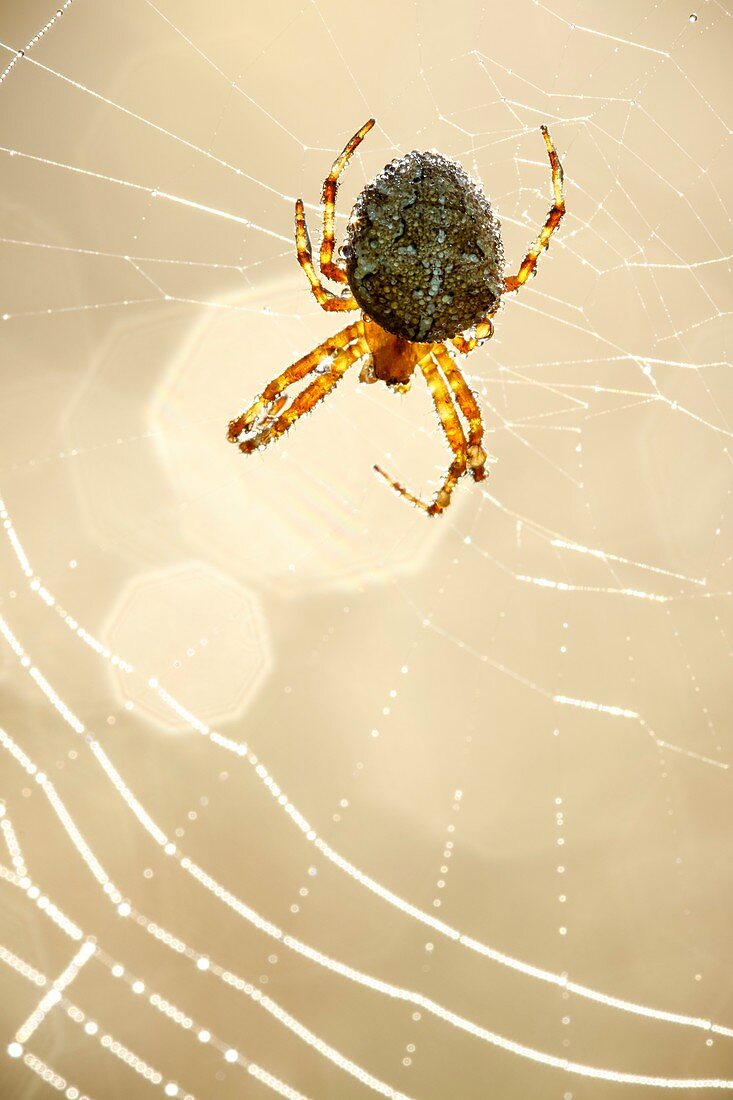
270	401
454	434
475	454
314	392
330	186
529	263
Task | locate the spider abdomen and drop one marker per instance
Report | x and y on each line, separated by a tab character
423	250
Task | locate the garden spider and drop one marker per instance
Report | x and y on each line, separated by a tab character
424	261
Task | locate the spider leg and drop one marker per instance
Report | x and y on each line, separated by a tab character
314	392
454	434
529	263
330	186
468	405
484	331
270	402
326	298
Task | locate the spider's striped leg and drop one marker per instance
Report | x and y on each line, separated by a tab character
314	392
468	405
270	402
330	186
326	298
484	330
454	434
529	263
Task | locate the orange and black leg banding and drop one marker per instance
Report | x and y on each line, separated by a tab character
454	434
326	298
329	268
270	401
529	263
467	403
314	392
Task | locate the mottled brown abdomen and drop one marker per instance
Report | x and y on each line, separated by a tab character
423	249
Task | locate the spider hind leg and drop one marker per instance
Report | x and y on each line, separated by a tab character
529	264
326	298
329	267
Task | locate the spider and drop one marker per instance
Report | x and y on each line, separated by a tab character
424	261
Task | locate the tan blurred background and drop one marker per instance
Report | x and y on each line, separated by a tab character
405	682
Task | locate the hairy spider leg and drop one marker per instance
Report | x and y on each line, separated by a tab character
529	263
484	330
454	434
270	401
326	298
468	405
329	268
314	392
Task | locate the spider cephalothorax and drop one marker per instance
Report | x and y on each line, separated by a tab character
424	261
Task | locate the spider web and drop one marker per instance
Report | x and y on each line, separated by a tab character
303	793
